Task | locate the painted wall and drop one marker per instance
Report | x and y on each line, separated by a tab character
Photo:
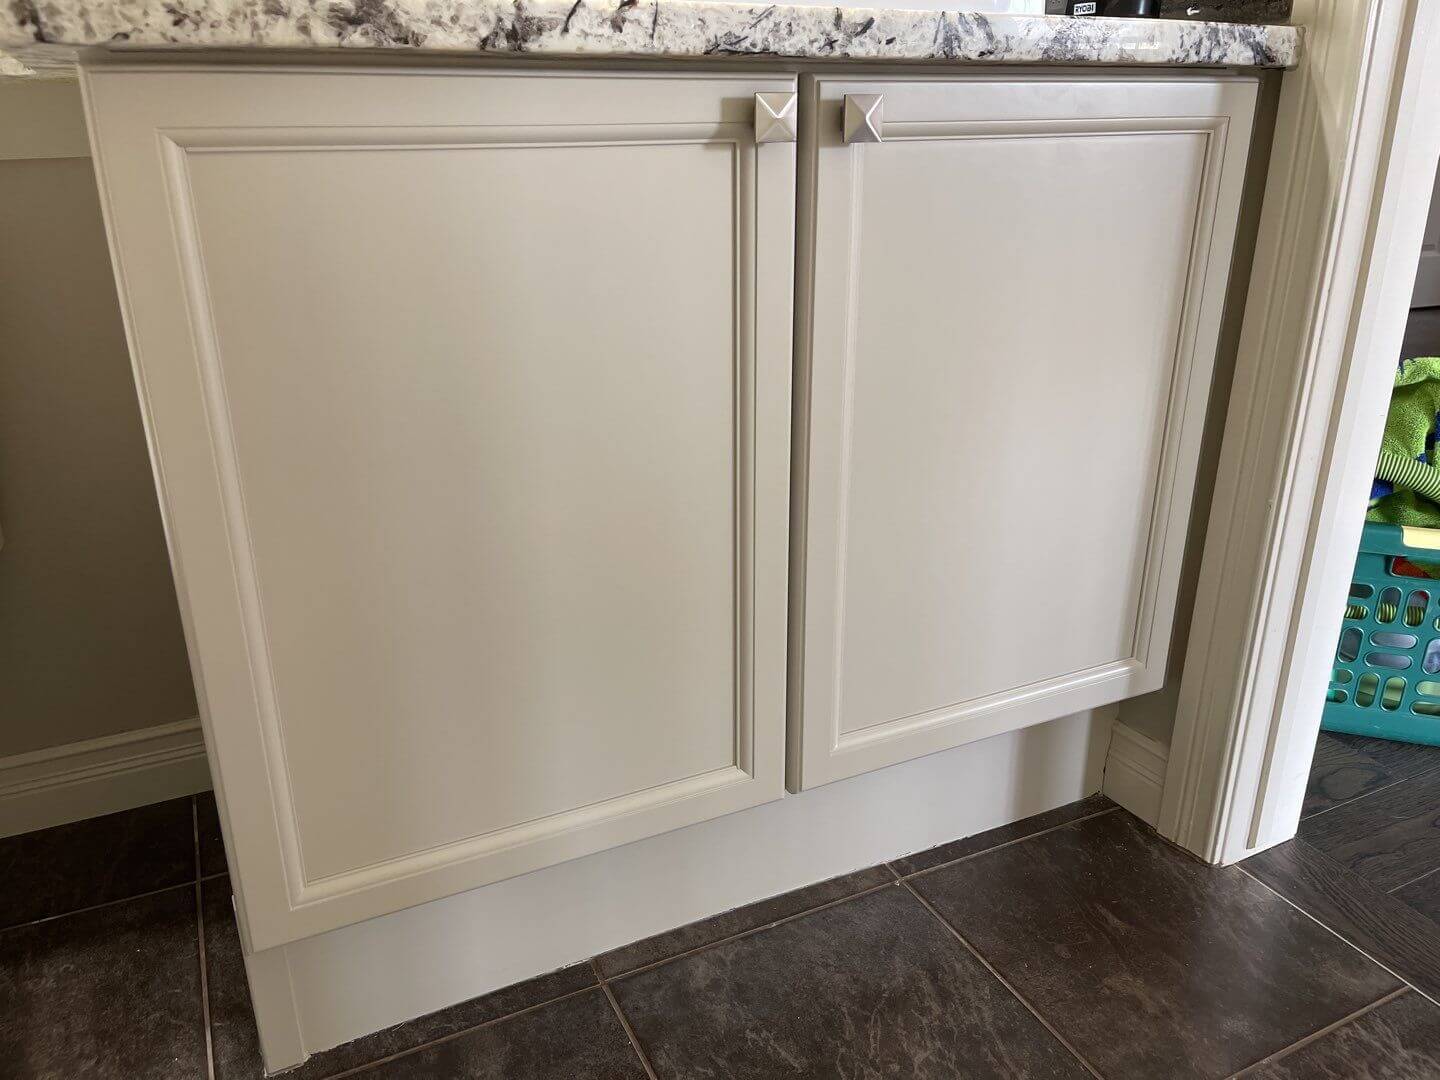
90	638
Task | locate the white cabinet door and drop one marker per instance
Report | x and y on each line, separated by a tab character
469	398
1010	307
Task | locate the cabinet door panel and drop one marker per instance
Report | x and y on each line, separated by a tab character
1015	306
476	465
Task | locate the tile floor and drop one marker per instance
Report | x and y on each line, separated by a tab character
1075	944
1366	861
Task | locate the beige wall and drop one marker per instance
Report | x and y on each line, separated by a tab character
90	639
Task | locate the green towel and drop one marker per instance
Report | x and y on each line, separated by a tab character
1410	437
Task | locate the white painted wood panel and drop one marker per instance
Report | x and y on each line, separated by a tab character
1013	309
491	511
469	394
366	977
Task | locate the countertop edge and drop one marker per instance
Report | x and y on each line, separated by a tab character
42	40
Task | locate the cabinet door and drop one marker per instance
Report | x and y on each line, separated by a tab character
1010	306
469	398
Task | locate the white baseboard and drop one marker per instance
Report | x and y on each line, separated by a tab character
1135	772
101	776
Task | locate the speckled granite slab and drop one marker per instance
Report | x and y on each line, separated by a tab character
659	28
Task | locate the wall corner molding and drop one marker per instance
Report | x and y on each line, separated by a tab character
85	779
1135	772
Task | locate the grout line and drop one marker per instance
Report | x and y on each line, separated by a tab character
1320	1034
745	933
1315	919
1428	873
1002	980
195	836
899	878
1425	773
200	937
97	907
356	1070
625	1023
195	848
1355	799
1010	843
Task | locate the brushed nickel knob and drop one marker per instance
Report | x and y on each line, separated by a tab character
775	118
863	116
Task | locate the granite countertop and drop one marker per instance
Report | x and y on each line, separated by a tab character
44	34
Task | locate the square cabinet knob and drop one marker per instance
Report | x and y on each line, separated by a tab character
775	118
863	117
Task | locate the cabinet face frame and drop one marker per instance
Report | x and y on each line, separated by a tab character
145	121
924	107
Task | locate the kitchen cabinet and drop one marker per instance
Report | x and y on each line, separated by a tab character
1009	301
469	399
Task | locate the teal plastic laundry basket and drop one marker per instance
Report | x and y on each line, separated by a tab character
1386	680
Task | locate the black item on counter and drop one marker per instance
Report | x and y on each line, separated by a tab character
1128	9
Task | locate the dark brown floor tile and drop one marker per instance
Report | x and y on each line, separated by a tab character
1373	920
1340	773
232	1021
1401	760
70	867
1423	895
872	987
1150	963
579	1038
1005	834
1398	1041
108	993
207	825
750	917
1387	838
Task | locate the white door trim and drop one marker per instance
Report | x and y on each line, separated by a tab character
1345	202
